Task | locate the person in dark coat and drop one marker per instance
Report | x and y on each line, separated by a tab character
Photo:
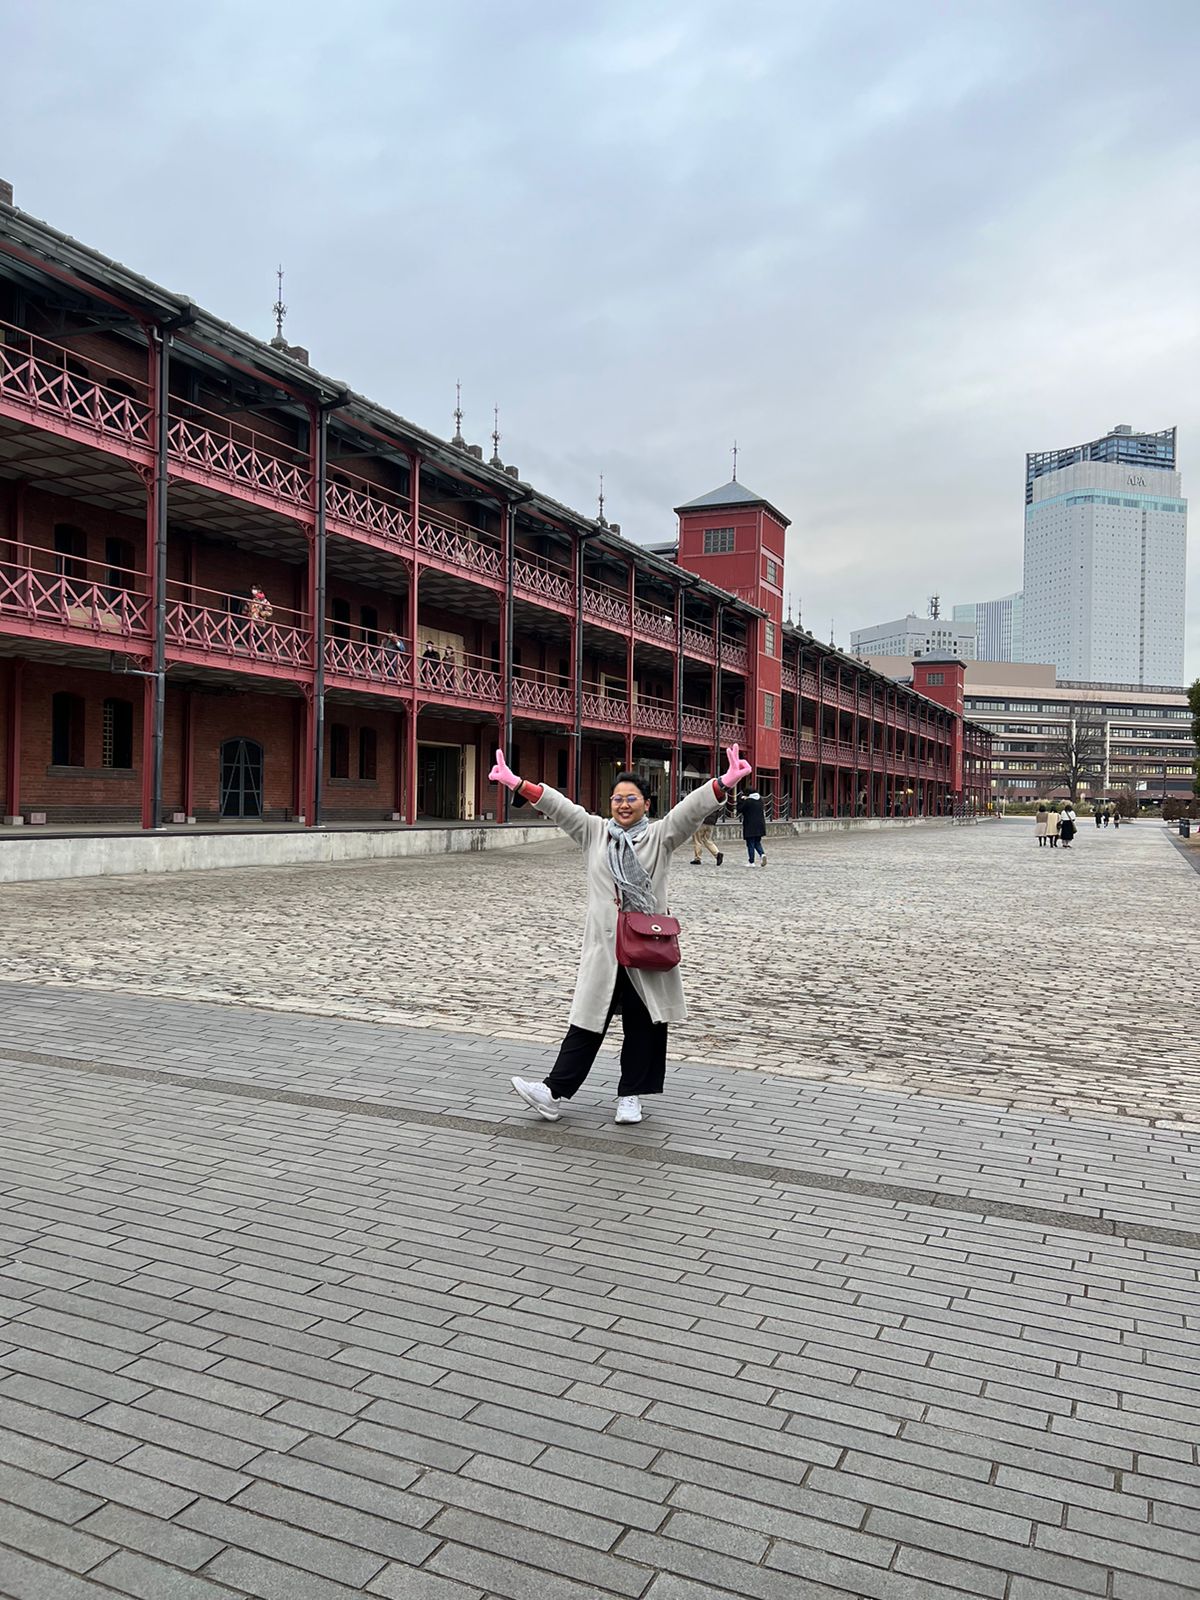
754	825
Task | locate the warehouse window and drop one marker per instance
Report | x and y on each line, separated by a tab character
339	750
718	541
66	730
116	737
367	749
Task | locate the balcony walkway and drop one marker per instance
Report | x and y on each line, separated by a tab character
306	1304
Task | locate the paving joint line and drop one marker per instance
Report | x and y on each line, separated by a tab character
569	1140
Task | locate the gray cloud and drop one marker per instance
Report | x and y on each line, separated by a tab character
889	248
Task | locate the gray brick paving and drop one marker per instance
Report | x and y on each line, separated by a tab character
359	1329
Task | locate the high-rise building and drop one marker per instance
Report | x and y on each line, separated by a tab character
998	625
915	636
1106	558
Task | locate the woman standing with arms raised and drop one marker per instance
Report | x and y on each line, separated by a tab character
627	858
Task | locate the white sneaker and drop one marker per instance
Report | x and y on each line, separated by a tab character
629	1109
539	1097
749	863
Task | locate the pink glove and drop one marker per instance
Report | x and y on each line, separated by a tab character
736	771
502	773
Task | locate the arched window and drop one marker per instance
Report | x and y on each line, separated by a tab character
66	730
241	778
116	739
367	747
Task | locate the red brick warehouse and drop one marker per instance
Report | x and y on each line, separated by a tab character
232	589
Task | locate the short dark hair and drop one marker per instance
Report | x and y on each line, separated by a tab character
632	777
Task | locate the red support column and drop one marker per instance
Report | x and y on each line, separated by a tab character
629	669
399	764
414	648
188	796
12	762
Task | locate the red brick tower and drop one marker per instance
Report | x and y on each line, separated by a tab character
941	676
734	538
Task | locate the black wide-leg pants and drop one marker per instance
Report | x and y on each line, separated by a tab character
643	1050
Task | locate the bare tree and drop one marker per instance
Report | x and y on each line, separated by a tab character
1075	752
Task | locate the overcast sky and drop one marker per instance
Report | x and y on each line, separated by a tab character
888	245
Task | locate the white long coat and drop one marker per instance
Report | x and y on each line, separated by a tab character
662	992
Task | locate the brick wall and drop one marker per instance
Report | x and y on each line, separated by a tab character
89	792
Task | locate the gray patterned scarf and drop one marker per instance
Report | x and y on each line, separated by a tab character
633	882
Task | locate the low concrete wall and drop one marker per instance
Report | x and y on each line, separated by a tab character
733	830
23	859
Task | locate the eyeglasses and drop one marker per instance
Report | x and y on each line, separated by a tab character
626	799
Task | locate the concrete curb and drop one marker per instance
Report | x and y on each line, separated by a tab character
28	860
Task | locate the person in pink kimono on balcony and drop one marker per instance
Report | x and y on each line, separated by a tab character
626	857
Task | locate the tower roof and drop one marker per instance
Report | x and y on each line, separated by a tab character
729	495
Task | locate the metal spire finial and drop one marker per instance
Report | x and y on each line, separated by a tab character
789	615
496	461
458	416
600	516
735	456
831	638
279	310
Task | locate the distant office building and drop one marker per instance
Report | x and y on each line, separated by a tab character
1106	559
1145	745
915	636
998	625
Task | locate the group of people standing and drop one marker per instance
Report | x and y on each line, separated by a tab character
1054	826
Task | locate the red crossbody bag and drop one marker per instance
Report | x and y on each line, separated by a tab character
647	940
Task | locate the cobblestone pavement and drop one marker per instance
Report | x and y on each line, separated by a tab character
960	961
274	1323
301	1306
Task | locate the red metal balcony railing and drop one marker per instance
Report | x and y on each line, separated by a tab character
697	641
788	743
367	507
49	379
541	579
376	660
212	446
228	625
732	732
598	706
84	595
734	655
789	678
806	746
654	716
466	677
604	604
808	684
542	691
697	724
654	621
446	539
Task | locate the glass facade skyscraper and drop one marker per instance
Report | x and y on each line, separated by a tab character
1106	559
999	627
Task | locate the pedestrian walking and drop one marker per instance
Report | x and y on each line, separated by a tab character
1053	823
754	824
1116	819
1041	825
1066	826
702	839
627	963
1098	814
1106	817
